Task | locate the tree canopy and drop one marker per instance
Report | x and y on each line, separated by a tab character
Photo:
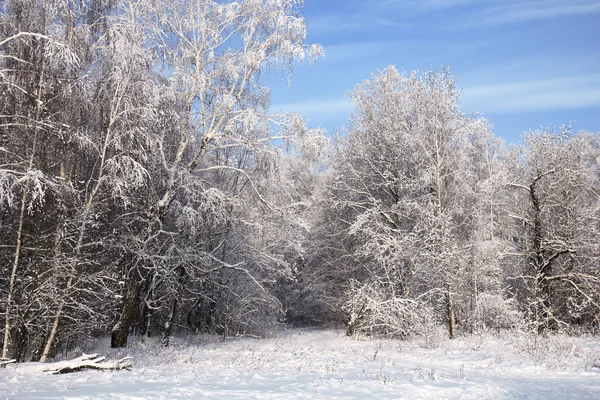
146	188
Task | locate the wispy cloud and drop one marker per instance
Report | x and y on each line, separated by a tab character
428	4
499	12
524	96
559	61
331	24
523	11
539	95
351	23
318	108
389	22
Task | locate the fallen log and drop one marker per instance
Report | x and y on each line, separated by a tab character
88	361
5	361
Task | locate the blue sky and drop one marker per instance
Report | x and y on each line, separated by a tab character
523	64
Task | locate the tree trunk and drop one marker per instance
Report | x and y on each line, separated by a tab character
13	276
16	260
544	298
55	321
145	320
451	316
542	268
120	331
82	232
20	344
57	252
192	319
169	324
39	342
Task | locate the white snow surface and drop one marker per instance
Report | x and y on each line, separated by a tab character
325	364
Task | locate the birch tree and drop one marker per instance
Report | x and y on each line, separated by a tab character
152	138
29	83
215	53
92	146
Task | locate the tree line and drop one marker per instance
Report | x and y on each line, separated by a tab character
146	189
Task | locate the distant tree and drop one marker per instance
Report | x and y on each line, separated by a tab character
405	192
554	208
485	302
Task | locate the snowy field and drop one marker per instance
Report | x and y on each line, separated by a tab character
302	364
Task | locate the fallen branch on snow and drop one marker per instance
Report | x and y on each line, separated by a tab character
5	361
88	361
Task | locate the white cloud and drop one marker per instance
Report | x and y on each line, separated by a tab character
499	12
327	24
316	108
512	97
539	95
429	4
390	22
351	23
523	11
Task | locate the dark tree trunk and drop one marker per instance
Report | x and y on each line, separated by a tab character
169	323
120	331
210	316
542	260
192	320
20	342
537	261
545	299
145	317
39	343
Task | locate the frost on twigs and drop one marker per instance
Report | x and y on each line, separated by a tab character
124	176
7	194
88	361
375	307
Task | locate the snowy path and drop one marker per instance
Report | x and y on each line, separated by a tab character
319	365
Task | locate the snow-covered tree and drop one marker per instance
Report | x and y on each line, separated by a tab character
405	192
213	54
135	158
554	210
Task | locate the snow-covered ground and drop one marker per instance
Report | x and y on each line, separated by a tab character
316	364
